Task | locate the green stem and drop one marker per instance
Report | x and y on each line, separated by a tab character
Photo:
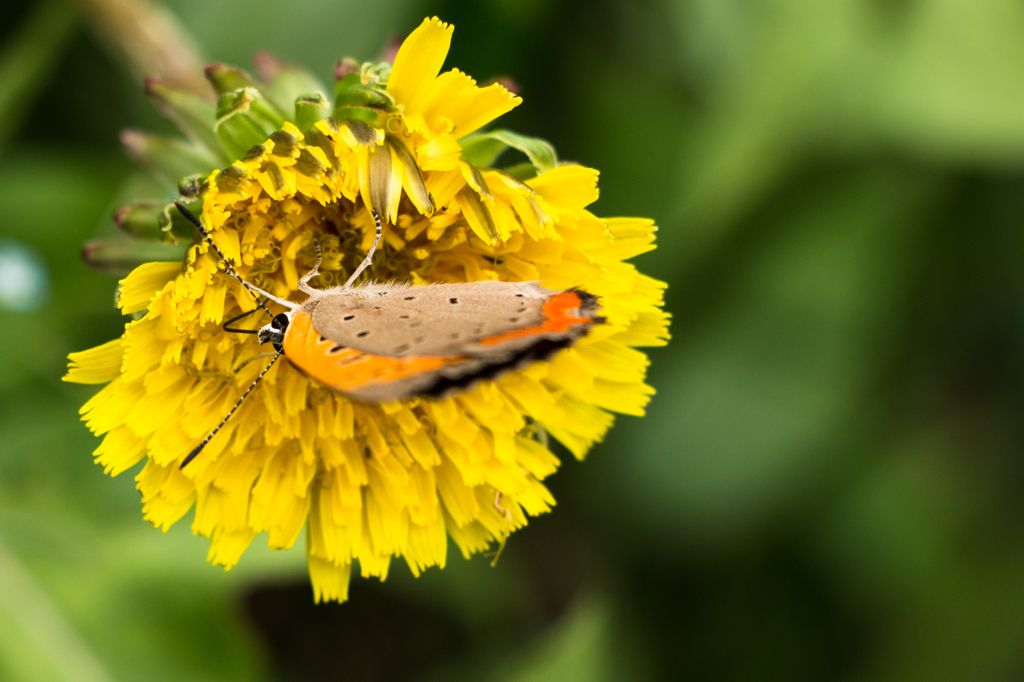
27	59
27	605
150	40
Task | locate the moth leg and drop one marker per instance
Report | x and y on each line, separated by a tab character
304	282
255	357
507	513
369	254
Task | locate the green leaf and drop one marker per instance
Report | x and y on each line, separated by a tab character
481	150
522	171
579	648
540	152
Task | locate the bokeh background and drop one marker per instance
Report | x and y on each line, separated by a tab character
829	484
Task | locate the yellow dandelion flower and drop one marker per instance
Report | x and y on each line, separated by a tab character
368	481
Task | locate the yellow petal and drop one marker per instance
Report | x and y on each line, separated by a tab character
330	581
444	185
633	236
490	103
418	61
97	365
381	182
412	180
450	94
568	187
137	289
477	215
440	153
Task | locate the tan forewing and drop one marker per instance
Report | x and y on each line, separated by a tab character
438	319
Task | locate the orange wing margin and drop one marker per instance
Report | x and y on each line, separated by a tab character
557	320
346	369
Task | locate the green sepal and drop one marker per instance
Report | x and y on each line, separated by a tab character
139	219
309	109
120	256
190	186
283	83
168	159
154	221
195	117
351	92
252	101
367	116
224	79
346	66
375	74
350	79
241	122
229	79
540	152
174	226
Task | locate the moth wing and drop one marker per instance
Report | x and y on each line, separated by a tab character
369	376
437	319
394	378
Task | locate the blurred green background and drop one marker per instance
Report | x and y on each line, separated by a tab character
829	484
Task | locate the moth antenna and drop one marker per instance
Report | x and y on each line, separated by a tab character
304	282
252	359
230	268
369	254
199	448
236	318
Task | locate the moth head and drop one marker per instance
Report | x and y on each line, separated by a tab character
273	333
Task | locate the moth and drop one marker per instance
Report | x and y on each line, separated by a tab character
383	342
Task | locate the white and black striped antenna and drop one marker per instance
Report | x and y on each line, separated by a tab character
252	290
255	291
199	448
